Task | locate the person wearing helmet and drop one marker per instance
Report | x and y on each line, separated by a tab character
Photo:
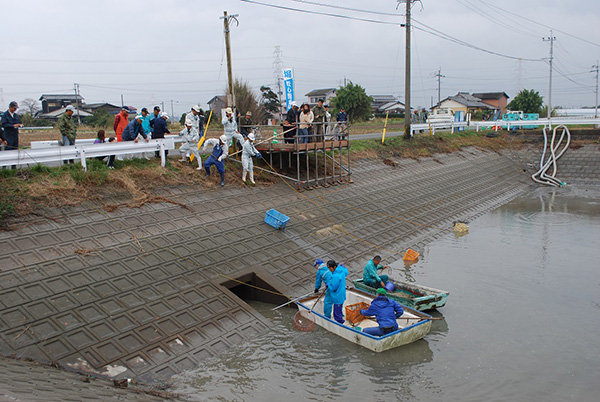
231	128
386	311
195	117
323	274
190	146
248	151
219	153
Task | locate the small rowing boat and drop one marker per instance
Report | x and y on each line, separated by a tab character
412	295
412	326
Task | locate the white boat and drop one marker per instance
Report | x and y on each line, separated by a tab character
412	326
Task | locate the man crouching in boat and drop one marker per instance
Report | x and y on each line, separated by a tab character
385	311
370	277
337	288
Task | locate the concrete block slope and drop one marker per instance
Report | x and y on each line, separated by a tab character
150	292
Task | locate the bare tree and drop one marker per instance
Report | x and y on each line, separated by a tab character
30	106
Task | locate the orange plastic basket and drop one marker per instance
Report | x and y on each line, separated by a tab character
353	314
410	255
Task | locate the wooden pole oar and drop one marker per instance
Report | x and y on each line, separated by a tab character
291	301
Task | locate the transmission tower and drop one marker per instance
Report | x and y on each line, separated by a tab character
278	74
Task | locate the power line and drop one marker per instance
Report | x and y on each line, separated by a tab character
539	23
348	8
447	37
321	13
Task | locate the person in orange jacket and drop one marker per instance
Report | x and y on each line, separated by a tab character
121	121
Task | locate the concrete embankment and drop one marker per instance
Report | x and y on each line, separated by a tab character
149	292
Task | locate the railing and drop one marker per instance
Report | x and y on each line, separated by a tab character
88	141
502	124
83	150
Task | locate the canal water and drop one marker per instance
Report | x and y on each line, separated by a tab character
522	322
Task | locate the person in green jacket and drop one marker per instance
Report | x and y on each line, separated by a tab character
370	277
319	121
68	129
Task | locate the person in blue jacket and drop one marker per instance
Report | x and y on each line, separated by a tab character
219	153
323	274
337	287
133	128
385	311
370	277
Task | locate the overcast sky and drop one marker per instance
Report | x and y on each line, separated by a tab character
161	51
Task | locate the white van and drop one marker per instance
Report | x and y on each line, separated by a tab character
441	115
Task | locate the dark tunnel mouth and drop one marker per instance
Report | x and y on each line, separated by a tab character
251	287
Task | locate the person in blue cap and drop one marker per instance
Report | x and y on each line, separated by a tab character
323	274
385	311
370	277
337	288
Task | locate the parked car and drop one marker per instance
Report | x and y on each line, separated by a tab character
441	115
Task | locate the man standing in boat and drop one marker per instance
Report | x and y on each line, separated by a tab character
386	311
337	286
370	277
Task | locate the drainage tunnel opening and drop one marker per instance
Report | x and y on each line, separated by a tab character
254	288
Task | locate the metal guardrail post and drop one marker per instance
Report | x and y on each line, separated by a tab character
163	156
83	161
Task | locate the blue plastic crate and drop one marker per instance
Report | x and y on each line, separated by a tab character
276	219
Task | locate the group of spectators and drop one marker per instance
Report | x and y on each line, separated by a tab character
305	125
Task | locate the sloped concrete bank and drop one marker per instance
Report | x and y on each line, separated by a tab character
147	293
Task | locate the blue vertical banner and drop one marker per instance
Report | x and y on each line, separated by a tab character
288	82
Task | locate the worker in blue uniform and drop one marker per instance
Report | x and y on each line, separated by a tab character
370	277
323	274
219	153
337	286
386	311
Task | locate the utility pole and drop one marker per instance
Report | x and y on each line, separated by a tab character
595	69
226	19
439	77
122	104
76	88
172	113
550	39
407	112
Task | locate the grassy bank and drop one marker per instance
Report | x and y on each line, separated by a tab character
133	182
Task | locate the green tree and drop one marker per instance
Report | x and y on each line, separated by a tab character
527	101
182	119
356	101
269	102
100	118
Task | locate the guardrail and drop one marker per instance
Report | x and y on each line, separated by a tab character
502	124
50	154
88	141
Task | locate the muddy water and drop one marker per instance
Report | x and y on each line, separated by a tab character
522	322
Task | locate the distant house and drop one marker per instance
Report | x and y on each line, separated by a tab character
464	102
381	104
498	100
217	103
93	107
52	102
55	114
325	93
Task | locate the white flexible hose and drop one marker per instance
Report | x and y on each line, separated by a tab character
541	176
